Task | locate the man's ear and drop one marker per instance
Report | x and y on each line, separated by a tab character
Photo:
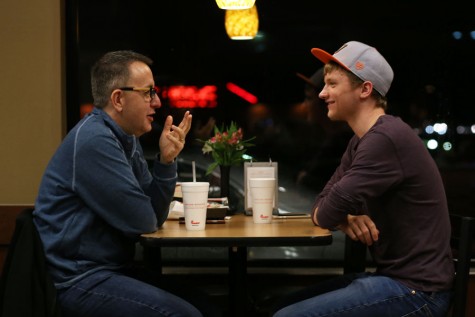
366	89
116	100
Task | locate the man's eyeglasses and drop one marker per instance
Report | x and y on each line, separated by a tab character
152	91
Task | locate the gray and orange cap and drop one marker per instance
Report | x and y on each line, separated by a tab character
362	60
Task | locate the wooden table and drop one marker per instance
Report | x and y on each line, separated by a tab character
237	233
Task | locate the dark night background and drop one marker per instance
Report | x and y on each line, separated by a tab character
434	71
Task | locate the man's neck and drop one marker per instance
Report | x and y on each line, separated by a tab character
365	120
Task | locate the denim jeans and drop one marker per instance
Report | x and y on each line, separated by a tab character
114	294
365	295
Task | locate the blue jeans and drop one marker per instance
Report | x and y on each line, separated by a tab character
364	294
114	294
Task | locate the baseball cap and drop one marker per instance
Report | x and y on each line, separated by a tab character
362	60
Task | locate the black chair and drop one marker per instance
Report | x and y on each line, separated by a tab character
26	288
462	242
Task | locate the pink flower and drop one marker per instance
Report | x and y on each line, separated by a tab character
226	146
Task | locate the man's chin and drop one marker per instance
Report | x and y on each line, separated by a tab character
145	130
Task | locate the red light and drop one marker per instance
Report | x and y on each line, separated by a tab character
235	89
85	109
190	96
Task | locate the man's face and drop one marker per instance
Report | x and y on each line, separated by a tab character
138	109
341	98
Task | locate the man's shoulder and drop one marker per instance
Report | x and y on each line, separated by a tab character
90	130
91	125
389	124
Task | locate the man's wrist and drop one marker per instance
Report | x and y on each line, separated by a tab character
164	160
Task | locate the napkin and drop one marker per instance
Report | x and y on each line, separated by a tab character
176	210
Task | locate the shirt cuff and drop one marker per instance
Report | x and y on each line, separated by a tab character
163	170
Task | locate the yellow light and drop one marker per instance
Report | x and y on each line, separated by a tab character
235	4
241	24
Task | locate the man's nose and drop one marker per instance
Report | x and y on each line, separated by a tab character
322	94
155	102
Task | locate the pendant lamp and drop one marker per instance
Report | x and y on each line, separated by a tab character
241	24
235	4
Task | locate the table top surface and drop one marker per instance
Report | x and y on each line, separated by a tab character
239	230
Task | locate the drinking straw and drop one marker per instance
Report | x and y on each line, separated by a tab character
194	170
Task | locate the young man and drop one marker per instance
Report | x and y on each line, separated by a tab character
386	193
97	196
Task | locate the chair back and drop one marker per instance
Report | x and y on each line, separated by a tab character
26	288
462	243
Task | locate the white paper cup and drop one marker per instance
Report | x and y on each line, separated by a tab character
262	196
195	203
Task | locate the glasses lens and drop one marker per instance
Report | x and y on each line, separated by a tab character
153	91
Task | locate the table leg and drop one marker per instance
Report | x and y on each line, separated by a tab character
153	259
355	256
238	297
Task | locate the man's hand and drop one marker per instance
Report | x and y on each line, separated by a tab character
172	139
360	228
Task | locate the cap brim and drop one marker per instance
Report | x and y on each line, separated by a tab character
307	80
326	57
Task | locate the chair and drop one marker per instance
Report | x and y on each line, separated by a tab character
26	288
462	242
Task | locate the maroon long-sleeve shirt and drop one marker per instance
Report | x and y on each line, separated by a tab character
389	175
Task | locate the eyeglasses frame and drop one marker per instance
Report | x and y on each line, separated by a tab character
153	90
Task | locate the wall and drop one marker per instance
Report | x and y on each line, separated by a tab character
32	94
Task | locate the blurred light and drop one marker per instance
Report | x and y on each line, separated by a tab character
190	96
440	128
432	144
472	128
84	109
472	35
235	4
457	35
238	91
461	129
247	157
291	252
447	146
241	24
260	35
429	129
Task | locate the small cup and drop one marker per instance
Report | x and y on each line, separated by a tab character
195	203
262	197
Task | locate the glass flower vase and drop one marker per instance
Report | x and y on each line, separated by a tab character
224	181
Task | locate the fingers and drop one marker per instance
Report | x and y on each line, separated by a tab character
168	123
185	124
362	228
183	128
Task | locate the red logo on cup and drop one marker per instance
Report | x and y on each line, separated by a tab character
264	216
195	222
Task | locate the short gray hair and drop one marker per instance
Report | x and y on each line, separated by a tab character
110	72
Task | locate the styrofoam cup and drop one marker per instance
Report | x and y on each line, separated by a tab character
195	203
262	197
